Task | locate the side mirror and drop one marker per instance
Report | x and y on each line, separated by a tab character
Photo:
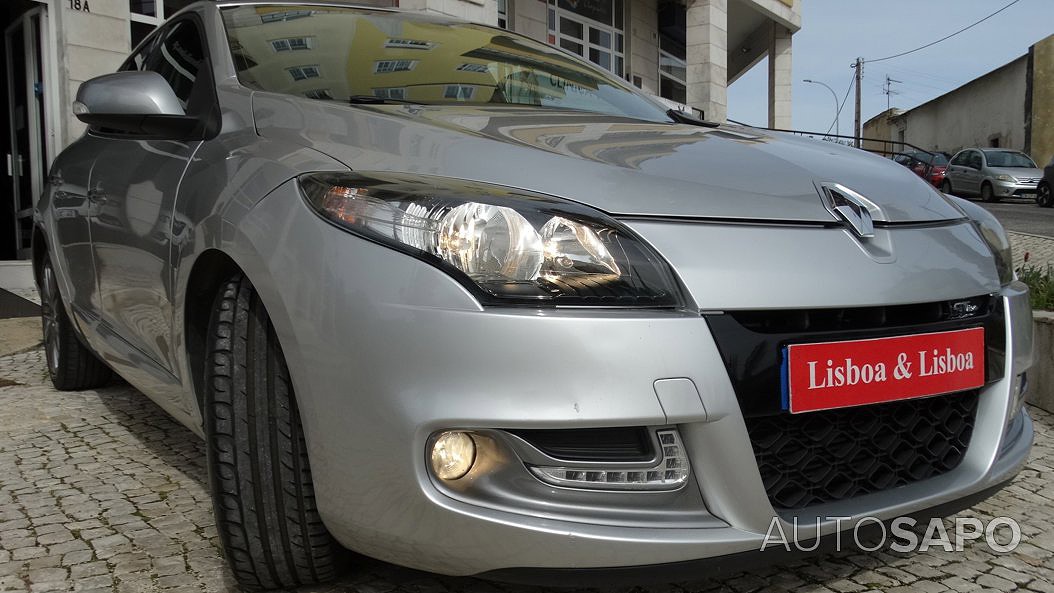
140	103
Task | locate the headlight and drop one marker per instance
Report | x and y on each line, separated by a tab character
1005	178
993	234
510	247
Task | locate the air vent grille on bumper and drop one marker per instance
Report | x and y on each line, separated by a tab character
820	457
825	456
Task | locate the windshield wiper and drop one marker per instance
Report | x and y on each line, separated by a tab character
375	100
683	118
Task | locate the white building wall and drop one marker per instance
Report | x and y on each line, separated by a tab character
89	44
480	11
644	43
529	18
992	106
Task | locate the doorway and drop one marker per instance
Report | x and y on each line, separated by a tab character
24	140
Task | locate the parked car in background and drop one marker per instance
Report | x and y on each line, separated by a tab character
930	166
992	174
1043	191
458	300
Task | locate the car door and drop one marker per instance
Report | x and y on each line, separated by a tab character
133	188
954	171
974	165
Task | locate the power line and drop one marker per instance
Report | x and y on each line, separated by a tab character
844	99
945	37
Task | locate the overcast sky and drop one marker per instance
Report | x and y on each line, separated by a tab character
835	32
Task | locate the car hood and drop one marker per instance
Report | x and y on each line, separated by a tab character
618	165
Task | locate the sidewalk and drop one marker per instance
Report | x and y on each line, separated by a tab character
1040	250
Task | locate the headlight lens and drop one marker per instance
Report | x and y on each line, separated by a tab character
509	246
1005	178
993	234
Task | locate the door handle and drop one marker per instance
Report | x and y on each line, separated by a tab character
96	197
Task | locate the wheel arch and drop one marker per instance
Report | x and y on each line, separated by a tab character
39	248
210	270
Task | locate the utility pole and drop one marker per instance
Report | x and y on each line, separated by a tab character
859	65
888	90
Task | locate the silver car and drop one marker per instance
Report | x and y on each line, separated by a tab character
458	300
992	174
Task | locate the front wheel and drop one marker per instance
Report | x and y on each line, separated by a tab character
71	365
987	193
261	484
1043	195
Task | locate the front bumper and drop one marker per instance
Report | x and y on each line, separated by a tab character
1012	188
385	351
394	511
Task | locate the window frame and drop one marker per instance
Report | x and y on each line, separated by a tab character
156	20
554	16
206	74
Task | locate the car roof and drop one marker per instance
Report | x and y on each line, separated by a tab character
337	3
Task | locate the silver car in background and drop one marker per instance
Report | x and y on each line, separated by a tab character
992	174
458	300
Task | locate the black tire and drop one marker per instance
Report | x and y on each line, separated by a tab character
71	366
257	457
1043	195
987	193
946	187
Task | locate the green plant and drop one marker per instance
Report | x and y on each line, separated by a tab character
1040	286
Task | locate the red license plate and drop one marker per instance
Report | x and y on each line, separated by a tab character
831	375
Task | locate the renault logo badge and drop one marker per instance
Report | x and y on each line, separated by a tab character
853	209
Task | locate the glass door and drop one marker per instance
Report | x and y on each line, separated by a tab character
25	160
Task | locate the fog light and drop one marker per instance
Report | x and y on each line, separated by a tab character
453	454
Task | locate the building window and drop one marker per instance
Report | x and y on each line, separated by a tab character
673	71
322	94
393	92
303	72
503	14
593	30
409	44
459	92
383	66
292	44
285	15
480	68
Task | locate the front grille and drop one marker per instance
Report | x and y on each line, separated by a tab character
820	457
861	318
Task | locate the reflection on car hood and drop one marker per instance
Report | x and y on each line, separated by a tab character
619	165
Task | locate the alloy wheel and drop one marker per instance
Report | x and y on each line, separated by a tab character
1044	197
49	312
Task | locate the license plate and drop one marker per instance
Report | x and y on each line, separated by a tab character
828	375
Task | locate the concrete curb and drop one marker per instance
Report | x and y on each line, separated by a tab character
1041	375
16	275
19	335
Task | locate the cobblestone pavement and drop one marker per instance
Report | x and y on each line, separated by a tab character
101	491
1039	250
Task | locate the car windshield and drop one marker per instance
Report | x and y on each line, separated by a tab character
1006	158
365	56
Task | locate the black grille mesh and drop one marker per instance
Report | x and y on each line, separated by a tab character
819	457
